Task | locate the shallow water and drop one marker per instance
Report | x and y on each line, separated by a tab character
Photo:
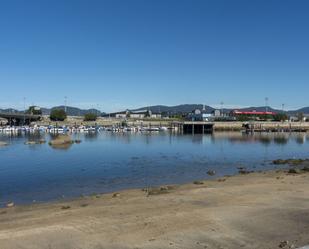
106	162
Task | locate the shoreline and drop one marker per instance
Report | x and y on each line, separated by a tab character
256	210
218	125
212	175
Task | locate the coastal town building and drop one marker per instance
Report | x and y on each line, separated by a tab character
254	112
203	115
140	114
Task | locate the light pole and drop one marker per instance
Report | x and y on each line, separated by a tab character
266	104
65	103
282	107
99	110
24	110
221	103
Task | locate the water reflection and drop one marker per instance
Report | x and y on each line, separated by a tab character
89	136
301	139
263	138
148	138
65	146
281	139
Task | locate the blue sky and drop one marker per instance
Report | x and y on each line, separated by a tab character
112	54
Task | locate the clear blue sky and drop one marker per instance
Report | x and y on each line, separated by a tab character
115	54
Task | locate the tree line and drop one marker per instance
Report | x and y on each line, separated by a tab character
61	115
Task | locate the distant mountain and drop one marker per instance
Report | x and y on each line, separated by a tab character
178	109
169	110
11	110
186	108
71	111
304	110
259	109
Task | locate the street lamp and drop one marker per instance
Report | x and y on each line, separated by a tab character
65	103
98	110
221	103
24	110
266	104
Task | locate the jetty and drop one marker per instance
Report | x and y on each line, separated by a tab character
17	119
193	127
261	127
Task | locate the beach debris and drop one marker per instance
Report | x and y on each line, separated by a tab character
84	205
241	166
168	187
290	161
279	161
95	195
116	195
221	179
10	204
198	182
65	207
211	172
283	244
162	188
244	172
306	168
157	191
294	171
3	144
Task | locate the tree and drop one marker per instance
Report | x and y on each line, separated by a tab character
34	110
280	117
244	118
58	115
124	123
90	117
300	116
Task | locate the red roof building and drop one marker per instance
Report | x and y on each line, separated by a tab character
236	112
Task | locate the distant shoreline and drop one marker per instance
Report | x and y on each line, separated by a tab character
218	126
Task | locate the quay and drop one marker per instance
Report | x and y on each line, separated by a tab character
193	127
253	127
200	127
182	126
16	119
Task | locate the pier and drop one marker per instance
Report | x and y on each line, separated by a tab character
258	127
17	119
193	127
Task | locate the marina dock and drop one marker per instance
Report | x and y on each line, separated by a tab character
193	127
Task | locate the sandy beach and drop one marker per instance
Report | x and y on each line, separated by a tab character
257	210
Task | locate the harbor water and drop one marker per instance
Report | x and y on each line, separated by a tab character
107	162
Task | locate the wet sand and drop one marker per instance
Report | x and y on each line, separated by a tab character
257	210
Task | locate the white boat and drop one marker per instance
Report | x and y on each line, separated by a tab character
151	129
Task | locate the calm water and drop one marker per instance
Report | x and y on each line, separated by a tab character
108	162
